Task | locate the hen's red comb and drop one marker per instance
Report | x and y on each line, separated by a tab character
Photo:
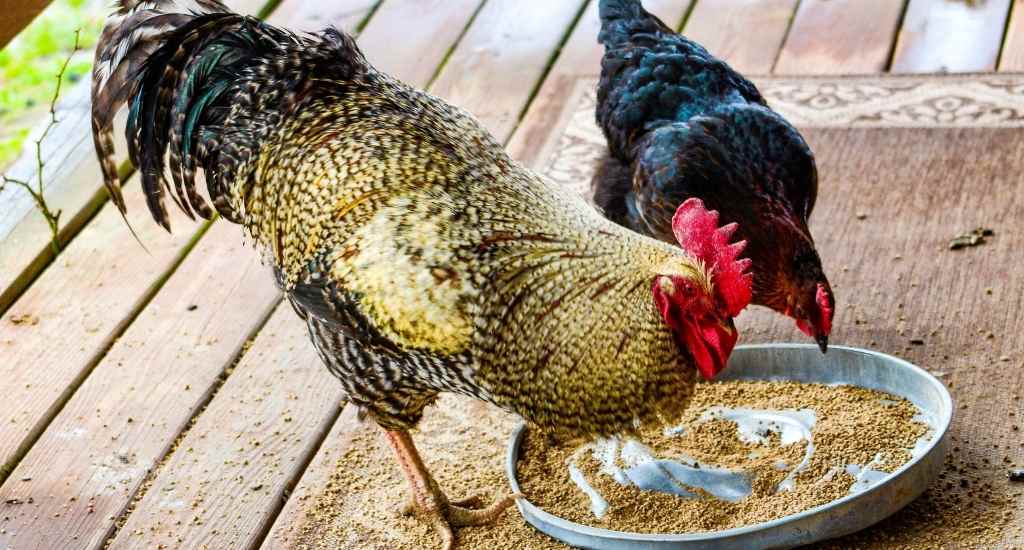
696	229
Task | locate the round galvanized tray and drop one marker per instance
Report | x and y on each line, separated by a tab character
803	363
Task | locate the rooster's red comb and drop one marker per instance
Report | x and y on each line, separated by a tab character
696	229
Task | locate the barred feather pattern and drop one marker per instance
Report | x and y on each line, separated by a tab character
426	260
129	38
420	256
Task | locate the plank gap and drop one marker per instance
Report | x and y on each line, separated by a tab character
366	19
547	69
895	38
686	16
121	518
1010	8
785	34
57	406
458	40
322	441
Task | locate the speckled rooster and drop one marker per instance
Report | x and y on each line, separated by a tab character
682	124
420	256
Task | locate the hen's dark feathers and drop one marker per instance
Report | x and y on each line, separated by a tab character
651	75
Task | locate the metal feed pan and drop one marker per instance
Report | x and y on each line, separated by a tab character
802	363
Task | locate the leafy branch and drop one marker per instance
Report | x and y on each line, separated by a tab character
36	191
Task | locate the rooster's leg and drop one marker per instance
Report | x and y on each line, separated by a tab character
429	502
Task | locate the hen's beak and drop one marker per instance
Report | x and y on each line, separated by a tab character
822	342
810	330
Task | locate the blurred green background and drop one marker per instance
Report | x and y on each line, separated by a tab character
30	63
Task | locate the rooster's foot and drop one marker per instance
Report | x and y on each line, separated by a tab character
427	502
444	516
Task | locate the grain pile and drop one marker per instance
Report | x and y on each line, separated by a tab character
854	426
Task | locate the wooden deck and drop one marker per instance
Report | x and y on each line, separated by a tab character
169	400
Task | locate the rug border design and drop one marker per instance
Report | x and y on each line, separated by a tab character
968	100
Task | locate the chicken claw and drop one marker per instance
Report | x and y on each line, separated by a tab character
428	502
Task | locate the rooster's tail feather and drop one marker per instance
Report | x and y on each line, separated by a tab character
204	89
130	36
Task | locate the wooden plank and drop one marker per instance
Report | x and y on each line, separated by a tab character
746	34
17	15
1012	57
413	36
580	56
288	527
92	458
943	36
840	37
503	55
347	15
229	474
62	325
71	184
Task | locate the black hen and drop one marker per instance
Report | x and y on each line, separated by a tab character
680	124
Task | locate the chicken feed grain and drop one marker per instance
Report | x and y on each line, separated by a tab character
770	449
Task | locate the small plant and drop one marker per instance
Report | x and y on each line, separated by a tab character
36	191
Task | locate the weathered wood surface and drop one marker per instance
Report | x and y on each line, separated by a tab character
840	37
288	527
228	476
53	336
412	37
93	457
348	15
17	15
747	34
73	312
508	46
943	36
